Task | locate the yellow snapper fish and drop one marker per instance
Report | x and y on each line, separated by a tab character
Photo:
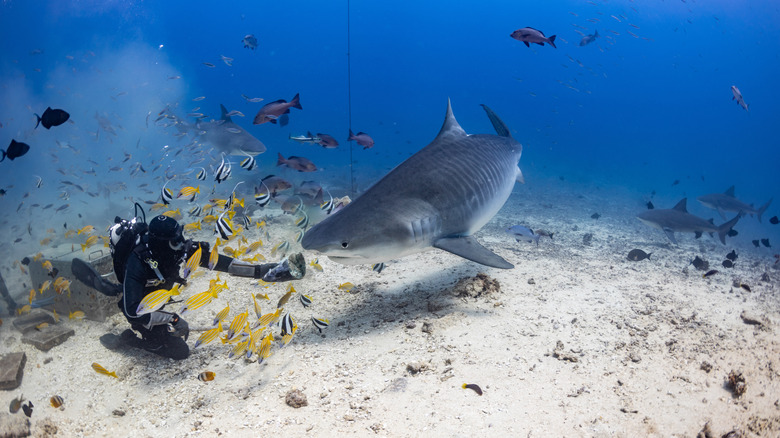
346	286
316	264
265	348
47	265
221	316
286	297
254	246
157	206
100	370
256	258
69	233
192	263
238	349
258	312
86	230
197	301
214	256
156	300
269	318
45	241
76	315
208	336
173	214
197	275
193	226
32	296
37	257
91	240
237	324
188	192
24	309
45	286
209	219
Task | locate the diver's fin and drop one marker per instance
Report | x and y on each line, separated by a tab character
86	274
469	248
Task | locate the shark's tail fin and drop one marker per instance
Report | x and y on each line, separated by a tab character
725	228
763	209
552	41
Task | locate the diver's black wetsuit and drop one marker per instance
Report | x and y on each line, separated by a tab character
141	280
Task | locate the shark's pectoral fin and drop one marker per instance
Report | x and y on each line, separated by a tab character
520	178
670	235
469	248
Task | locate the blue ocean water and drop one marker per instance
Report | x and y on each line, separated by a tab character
645	105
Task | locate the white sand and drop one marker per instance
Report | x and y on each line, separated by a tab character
639	331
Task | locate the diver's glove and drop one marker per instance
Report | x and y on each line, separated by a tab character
291	268
179	327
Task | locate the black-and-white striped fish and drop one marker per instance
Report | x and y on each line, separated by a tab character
378	267
223	171
38	183
249	163
166	194
288	325
302	222
196	211
305	300
262	198
222	227
320	323
299	236
201	176
327	207
232	198
247	221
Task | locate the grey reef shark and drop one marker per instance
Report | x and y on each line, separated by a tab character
726	201
228	137
678	220
437	198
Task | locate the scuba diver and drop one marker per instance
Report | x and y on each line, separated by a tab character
147	258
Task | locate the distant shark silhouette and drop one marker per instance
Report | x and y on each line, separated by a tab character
726	201
436	198
678	220
228	137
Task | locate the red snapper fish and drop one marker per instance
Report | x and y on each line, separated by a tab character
272	111
531	35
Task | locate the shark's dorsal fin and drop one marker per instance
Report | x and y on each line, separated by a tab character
450	128
681	206
498	124
225	115
730	192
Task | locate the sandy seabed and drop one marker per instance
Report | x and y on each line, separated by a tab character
575	341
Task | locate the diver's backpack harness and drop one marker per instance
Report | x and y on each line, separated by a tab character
131	236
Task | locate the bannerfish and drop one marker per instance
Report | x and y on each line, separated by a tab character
250	42
637	255
738	97
530	35
52	117
587	39
15	150
520	232
362	139
272	111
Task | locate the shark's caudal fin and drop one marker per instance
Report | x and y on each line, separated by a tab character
725	228
468	248
763	209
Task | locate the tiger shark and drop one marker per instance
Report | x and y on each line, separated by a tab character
726	201
437	198
228	137
678	220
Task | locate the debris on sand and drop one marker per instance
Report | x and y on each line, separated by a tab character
751	319
296	398
559	354
737	383
474	287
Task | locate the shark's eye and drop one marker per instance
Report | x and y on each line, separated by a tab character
345	244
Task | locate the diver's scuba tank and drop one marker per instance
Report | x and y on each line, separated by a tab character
124	235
